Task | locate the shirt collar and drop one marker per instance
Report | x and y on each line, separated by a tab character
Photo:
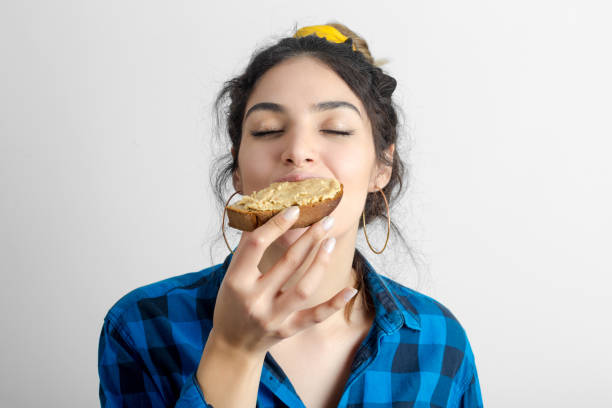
392	311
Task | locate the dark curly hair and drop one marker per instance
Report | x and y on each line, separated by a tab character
373	87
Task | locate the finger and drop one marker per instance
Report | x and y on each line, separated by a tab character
294	298
309	317
253	244
296	256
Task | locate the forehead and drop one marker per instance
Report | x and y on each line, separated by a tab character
300	82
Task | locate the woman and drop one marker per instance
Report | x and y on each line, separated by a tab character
264	327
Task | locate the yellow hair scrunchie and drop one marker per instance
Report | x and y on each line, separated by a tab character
324	31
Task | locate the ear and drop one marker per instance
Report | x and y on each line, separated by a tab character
236	181
383	172
236	176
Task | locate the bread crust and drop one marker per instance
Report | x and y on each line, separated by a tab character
309	214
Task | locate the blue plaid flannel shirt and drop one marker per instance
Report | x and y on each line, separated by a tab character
416	353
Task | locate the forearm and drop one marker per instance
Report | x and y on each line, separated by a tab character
228	378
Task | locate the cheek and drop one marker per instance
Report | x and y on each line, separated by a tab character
255	167
355	170
354	173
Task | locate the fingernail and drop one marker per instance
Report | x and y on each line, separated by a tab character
329	244
291	212
328	222
349	294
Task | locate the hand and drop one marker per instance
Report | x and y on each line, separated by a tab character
251	312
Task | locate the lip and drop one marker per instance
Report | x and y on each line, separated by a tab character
297	177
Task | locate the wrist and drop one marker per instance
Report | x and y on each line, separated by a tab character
228	374
219	356
232	352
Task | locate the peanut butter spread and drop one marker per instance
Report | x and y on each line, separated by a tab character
287	193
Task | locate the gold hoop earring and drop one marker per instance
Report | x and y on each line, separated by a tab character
388	225
223	222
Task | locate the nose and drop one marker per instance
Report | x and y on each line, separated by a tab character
300	148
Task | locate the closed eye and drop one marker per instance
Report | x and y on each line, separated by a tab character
265	132
269	132
338	132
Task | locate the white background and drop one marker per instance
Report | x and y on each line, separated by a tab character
105	143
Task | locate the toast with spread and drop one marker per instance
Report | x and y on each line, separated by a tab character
316	197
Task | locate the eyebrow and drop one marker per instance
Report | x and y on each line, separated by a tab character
319	107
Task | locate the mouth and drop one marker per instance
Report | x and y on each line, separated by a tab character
297	177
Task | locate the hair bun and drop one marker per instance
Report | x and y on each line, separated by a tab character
358	42
386	85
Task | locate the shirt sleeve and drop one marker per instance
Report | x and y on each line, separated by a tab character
125	381
191	395
472	398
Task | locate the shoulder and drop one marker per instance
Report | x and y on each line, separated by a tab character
423	307
439	331
160	298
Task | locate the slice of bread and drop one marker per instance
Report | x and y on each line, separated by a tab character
316	197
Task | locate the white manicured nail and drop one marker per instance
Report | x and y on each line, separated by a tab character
349	294
329	244
291	212
328	222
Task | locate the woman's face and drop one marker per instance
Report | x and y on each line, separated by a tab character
302	118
